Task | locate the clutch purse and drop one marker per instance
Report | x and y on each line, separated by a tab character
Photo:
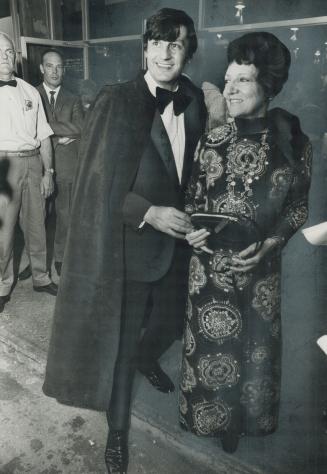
212	221
228	228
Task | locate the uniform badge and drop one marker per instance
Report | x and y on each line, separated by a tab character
28	104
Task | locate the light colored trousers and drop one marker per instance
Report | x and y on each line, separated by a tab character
27	204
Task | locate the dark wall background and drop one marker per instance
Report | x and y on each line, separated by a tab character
4	8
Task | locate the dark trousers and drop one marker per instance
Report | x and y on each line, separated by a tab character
63	205
164	300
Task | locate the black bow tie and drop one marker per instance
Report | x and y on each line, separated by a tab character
179	99
12	83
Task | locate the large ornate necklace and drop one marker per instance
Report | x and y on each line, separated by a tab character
247	160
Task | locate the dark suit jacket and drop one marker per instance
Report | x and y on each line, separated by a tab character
86	329
67	121
148	252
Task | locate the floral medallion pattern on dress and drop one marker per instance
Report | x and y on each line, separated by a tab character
195	189
211	165
182	403
259	394
297	215
246	159
266	299
189	341
220	135
233	204
280	179
219	321
275	328
219	262
218	371
197	151
189	308
307	160
259	355
210	417
197	276
267	423
188	377
232	339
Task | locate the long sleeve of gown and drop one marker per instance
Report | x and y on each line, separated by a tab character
196	192
295	211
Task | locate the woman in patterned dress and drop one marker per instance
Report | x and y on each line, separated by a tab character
257	166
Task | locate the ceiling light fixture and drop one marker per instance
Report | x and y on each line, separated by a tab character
294	35
316	57
240	5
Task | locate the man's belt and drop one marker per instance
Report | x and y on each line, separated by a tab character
22	153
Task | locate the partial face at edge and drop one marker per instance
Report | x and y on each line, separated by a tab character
244	95
7	58
166	60
52	69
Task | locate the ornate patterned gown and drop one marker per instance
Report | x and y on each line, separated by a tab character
231	365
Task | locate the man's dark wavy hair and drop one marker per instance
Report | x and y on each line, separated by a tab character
268	54
165	25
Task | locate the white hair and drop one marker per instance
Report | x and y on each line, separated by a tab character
4	35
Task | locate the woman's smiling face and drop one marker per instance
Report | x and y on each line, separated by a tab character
244	95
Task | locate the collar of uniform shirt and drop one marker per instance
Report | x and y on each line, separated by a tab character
48	89
152	84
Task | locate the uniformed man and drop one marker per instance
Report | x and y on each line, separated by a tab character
25	148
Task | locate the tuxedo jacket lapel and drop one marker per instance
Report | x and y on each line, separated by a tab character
192	130
161	141
188	157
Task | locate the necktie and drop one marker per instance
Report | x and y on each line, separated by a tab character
164	97
52	100
12	83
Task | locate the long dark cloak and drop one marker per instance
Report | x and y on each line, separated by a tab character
85	333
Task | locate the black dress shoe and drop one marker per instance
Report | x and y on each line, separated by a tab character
25	274
229	441
3	301
58	266
51	289
158	378
116	453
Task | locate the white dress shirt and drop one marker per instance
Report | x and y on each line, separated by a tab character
56	92
23	124
174	126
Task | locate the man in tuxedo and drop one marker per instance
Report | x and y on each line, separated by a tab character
65	116
126	255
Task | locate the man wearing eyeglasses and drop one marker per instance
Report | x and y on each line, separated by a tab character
25	152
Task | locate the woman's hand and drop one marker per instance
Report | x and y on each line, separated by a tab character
248	258
198	239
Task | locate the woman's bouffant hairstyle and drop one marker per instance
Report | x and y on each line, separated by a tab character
268	54
165	25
